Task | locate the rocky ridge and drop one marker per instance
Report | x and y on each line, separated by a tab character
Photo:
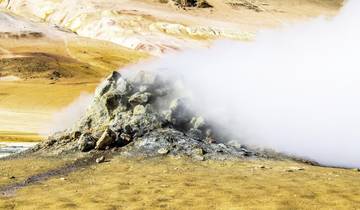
142	116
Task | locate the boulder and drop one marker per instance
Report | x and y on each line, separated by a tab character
107	139
86	142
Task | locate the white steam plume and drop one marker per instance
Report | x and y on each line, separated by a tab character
68	116
296	90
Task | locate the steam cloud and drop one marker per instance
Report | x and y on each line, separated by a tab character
68	116
295	90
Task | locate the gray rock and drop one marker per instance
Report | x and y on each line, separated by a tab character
198	151
163	151
100	159
108	83
139	98
195	134
139	110
125	138
86	142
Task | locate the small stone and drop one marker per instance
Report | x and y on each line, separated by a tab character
199	157
356	169
62	179
125	137
139	110
293	169
100	159
140	98
163	151
198	151
12	177
210	140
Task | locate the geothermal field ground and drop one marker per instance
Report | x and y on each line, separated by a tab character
211	104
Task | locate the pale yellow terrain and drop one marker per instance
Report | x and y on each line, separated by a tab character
184	184
28	103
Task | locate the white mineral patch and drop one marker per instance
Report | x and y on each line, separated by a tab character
7	148
9	78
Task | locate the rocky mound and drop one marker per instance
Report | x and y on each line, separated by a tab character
142	116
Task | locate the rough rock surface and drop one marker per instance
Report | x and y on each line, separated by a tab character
143	116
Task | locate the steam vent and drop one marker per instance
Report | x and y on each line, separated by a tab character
141	116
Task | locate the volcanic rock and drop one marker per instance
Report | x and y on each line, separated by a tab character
106	139
100	159
139	98
163	151
145	116
86	142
